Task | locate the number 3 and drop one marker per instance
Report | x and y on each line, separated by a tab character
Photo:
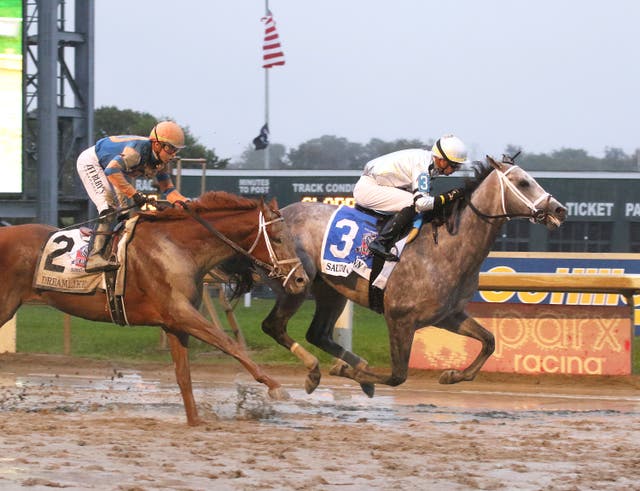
347	238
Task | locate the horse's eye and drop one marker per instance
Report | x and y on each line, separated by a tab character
276	240
523	183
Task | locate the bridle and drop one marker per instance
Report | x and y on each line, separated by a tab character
535	215
275	271
275	268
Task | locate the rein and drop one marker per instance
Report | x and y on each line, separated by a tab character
536	214
93	220
274	269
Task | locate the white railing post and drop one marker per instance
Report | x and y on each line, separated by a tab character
8	336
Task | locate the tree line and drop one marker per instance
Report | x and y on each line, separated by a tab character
334	152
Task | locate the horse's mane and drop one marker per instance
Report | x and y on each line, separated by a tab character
480	171
211	200
451	214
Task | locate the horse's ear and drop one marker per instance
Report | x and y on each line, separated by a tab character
273	204
493	163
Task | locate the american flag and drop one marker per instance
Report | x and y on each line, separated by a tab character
272	54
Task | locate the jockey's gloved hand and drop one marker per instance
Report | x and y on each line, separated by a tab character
139	199
454	194
422	202
445	198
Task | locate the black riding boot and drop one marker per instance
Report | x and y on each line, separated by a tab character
97	245
382	244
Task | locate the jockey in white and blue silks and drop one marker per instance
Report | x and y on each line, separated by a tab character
105	170
400	182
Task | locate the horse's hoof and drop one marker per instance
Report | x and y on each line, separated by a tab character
279	394
312	381
449	377
368	389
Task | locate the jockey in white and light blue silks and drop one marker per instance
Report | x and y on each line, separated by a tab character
401	181
105	168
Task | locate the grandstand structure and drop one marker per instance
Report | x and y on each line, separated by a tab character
58	104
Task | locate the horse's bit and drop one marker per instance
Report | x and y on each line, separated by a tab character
275	270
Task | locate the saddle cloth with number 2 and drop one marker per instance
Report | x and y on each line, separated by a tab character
64	256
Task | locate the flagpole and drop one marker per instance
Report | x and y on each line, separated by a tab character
266	95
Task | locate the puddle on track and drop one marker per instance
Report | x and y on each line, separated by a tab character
132	392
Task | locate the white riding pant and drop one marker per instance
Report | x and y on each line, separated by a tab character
368	193
96	183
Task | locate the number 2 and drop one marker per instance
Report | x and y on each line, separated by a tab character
48	264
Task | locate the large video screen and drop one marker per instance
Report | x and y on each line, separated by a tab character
11	51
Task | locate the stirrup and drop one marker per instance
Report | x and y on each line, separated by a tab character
378	250
100	264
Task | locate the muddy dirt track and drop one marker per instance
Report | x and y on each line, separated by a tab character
76	424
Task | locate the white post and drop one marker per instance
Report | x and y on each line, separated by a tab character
247	299
8	336
342	332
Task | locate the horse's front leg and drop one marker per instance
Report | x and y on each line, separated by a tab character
275	325
464	325
329	306
189	320
178	342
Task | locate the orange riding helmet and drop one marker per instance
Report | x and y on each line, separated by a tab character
168	132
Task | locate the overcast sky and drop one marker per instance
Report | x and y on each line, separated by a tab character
541	74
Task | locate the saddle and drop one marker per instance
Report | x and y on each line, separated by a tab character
381	218
61	266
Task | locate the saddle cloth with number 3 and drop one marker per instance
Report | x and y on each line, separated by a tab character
345	246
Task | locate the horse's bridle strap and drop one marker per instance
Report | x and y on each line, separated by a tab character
226	240
274	269
535	214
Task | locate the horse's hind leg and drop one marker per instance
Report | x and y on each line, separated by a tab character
467	326
275	325
178	343
12	295
329	306
401	332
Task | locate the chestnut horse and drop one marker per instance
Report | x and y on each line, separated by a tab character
167	260
430	286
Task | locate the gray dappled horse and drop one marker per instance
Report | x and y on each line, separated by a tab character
430	286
